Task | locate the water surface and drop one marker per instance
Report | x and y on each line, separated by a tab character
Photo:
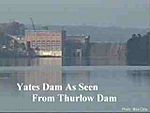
131	84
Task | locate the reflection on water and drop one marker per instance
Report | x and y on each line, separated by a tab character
132	87
30	61
78	61
65	61
140	78
52	74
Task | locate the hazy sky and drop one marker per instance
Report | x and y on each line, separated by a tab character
124	13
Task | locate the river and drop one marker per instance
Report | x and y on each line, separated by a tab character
130	84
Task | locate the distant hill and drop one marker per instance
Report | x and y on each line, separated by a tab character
102	34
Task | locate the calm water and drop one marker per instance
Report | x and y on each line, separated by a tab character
130	84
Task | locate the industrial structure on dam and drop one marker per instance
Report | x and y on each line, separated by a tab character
45	43
17	41
56	43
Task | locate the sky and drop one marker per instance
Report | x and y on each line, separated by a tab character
120	13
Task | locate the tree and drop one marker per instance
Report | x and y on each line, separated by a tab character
23	46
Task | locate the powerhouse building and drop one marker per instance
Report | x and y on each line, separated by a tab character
76	50
45	42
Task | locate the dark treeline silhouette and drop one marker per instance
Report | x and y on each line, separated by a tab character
138	50
13	28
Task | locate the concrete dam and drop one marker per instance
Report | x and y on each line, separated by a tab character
108	54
